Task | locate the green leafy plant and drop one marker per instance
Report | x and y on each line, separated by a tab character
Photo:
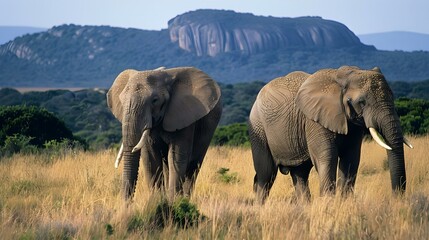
231	135
185	214
17	143
159	212
226	177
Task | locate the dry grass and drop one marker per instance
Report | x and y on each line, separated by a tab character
77	197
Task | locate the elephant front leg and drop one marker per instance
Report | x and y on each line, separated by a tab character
349	154
347	172
324	155
153	170
179	155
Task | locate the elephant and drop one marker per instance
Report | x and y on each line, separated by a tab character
168	118
303	120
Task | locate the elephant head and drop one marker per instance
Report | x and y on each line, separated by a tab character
336	98
168	99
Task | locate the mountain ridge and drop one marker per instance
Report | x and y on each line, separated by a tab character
8	33
92	56
397	41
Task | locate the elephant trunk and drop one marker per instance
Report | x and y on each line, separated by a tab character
130	173
391	130
133	127
130	160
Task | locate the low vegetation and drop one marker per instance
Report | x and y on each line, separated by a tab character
86	114
77	196
29	129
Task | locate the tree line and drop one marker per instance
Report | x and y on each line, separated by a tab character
82	117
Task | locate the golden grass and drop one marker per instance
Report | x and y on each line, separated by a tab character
78	197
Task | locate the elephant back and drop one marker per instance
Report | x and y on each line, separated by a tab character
279	94
291	82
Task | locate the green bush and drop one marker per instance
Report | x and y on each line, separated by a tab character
414	115
231	135
158	213
185	214
226	177
34	122
24	129
17	143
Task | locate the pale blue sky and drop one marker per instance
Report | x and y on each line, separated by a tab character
363	16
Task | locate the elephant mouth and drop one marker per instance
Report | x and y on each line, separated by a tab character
356	118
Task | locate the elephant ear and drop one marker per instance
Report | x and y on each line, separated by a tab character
320	98
113	101
193	95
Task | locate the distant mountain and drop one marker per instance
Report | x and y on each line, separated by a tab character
398	40
208	32
231	47
8	33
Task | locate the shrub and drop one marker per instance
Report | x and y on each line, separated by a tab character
23	129
17	143
33	122
231	135
185	213
414	115
227	177
158	213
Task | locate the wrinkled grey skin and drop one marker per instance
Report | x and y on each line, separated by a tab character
175	113
301	120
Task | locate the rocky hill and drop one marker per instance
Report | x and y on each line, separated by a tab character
210	32
231	47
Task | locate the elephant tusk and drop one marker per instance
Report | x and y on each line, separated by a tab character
408	143
119	157
376	136
141	142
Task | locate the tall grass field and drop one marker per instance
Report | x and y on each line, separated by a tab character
77	196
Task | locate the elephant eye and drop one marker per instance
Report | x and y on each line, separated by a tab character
362	102
155	101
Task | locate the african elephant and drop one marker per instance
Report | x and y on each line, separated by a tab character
168	118
301	120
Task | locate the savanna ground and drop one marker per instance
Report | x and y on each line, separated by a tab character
77	196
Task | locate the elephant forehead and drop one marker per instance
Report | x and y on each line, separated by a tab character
149	78
376	85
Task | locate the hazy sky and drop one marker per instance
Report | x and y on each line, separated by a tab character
363	16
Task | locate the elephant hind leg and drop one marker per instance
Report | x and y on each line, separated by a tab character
263	181
263	162
299	176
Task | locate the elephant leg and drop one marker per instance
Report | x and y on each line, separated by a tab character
299	176
263	162
204	130
349	154
179	156
153	166
324	155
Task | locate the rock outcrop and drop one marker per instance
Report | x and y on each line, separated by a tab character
210	32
